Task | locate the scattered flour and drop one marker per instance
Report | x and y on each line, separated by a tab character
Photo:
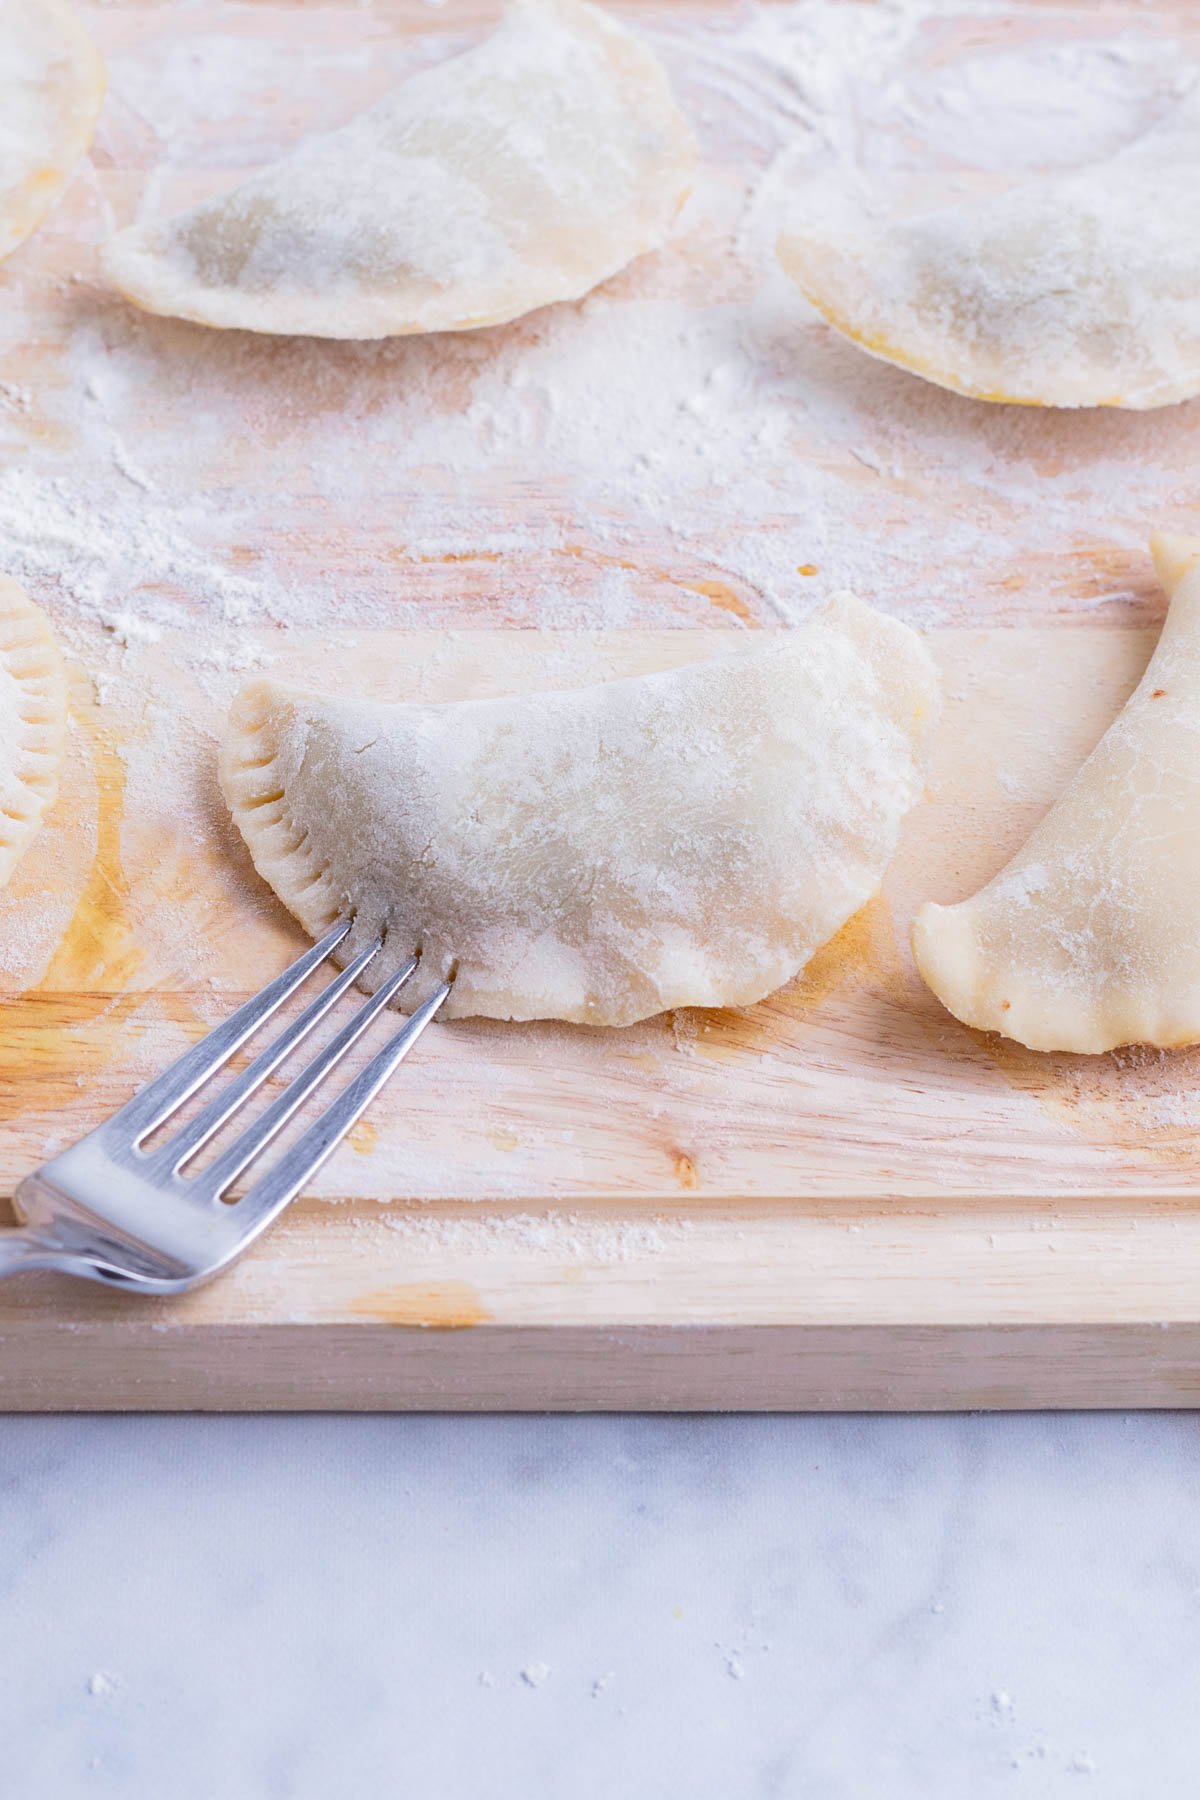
568	1237
533	474
689	446
128	629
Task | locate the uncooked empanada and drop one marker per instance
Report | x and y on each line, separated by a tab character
1076	289
688	838
525	171
1090	937
51	86
33	722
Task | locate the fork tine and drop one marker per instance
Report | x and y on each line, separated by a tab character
224	1170
272	1192
196	1133
168	1092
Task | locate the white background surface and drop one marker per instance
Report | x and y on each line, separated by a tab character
824	1608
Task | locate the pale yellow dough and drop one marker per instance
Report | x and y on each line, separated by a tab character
51	86
1090	937
33	722
1074	289
523	172
688	838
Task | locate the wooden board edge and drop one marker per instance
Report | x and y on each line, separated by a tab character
773	1368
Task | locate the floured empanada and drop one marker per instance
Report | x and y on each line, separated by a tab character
525	171
33	722
688	838
51	86
1090	937
1076	289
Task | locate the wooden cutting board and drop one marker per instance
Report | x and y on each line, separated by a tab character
839	1198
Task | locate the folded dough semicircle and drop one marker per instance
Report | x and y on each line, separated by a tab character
1069	290
522	172
687	838
51	87
1089	937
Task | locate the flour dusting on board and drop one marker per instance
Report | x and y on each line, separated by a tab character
184	473
556	1235
690	446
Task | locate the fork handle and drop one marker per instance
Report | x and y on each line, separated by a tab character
22	1249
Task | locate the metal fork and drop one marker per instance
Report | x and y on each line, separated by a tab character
113	1211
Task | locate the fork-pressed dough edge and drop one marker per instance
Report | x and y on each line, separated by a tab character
253	789
30	656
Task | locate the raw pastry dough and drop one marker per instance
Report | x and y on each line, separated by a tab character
1069	290
33	722
1090	937
51	86
525	171
688	838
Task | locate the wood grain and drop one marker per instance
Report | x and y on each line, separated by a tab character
840	1198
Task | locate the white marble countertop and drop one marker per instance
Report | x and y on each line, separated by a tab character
600	1609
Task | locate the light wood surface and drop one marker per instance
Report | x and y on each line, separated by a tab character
840	1198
